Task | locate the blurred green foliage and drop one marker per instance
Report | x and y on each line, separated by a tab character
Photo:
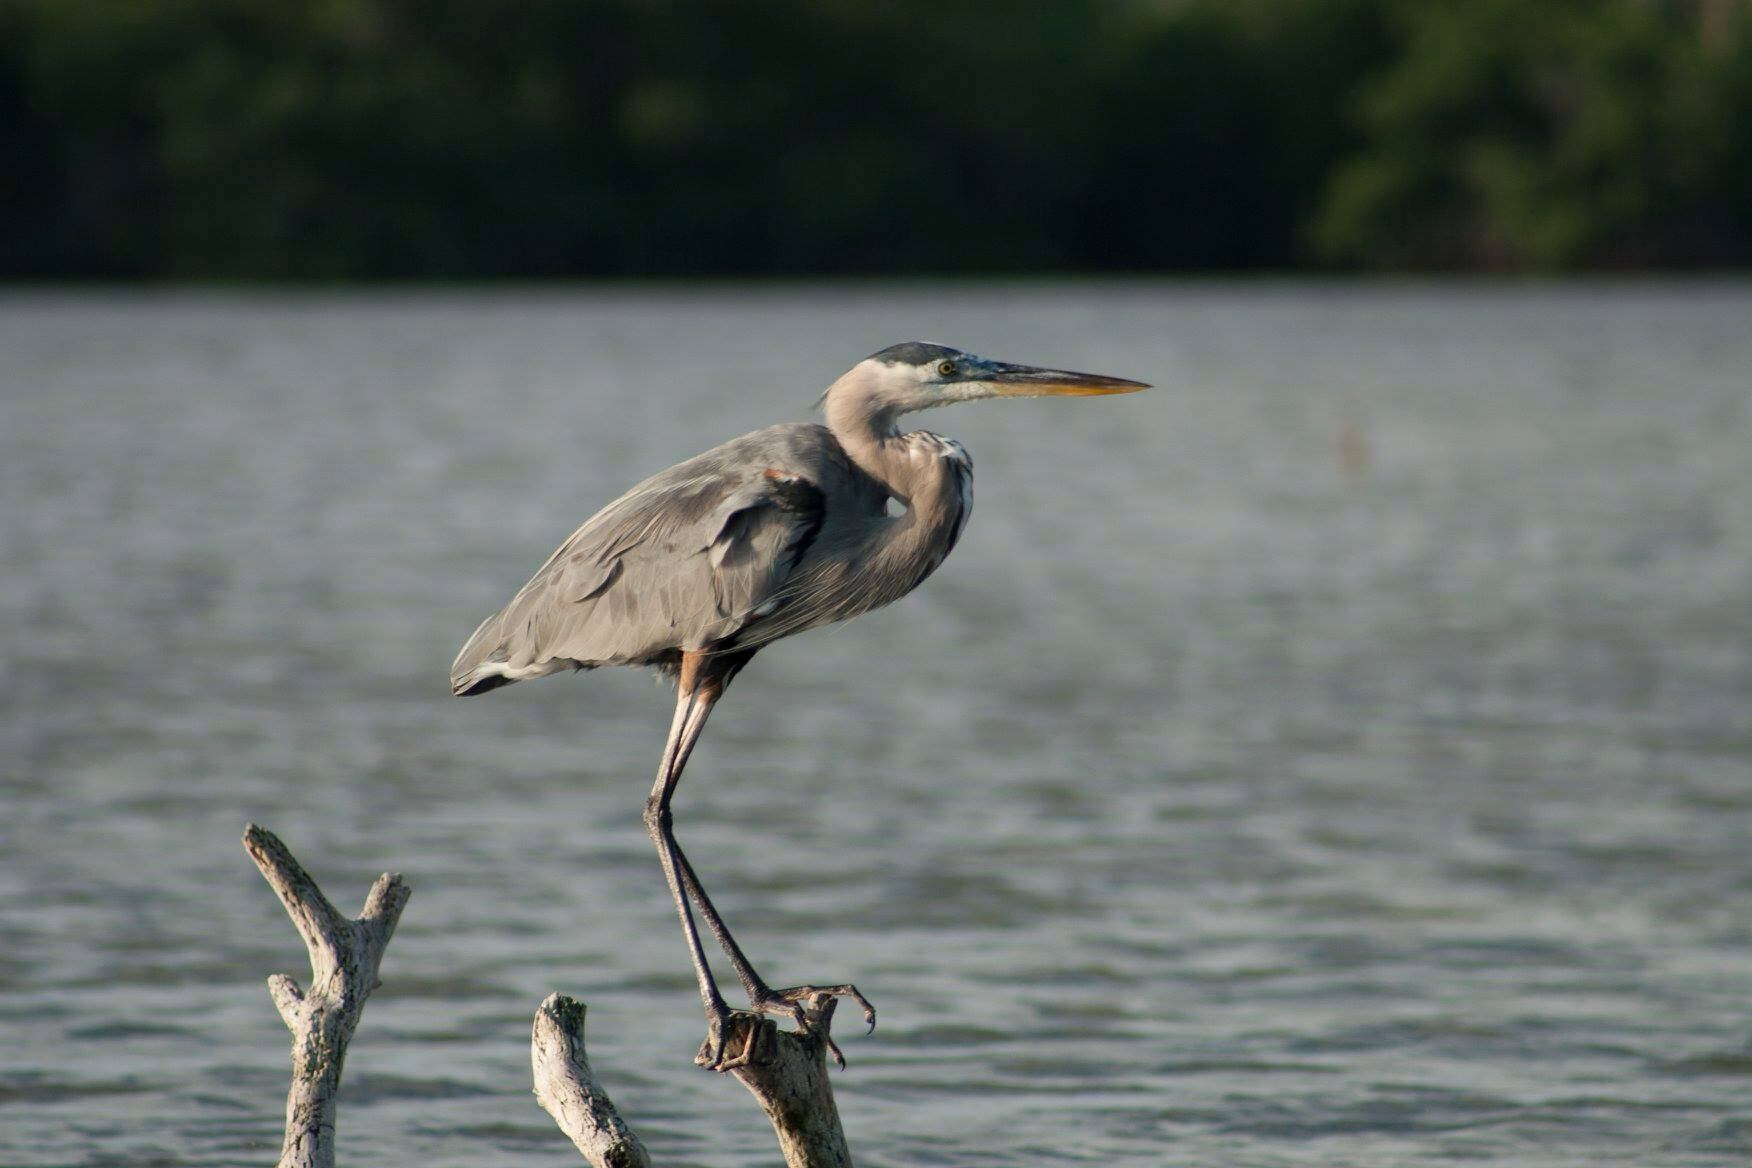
462	138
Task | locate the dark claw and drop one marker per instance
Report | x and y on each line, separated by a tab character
820	999
713	1054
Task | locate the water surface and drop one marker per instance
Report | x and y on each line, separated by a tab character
1341	754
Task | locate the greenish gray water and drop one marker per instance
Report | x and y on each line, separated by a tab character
1340	754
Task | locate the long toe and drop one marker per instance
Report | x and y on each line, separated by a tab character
711	1054
810	1007
815	1021
813	997
732	1039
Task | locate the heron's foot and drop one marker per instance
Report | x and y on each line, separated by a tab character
811	1008
734	1038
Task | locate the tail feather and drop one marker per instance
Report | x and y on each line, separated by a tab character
471	672
479	685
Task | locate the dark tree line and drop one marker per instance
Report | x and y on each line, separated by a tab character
534	138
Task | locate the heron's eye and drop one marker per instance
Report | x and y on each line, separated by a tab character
946	369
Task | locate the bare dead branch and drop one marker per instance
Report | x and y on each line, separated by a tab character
786	1073
567	1088
344	959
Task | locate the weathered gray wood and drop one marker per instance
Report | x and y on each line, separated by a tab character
786	1073
344	958
567	1089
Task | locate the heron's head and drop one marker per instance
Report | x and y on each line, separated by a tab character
917	375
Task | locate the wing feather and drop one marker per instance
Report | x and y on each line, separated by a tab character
683	561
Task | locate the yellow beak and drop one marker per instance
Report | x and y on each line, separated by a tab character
1029	381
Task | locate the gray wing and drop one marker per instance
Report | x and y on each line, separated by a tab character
682	561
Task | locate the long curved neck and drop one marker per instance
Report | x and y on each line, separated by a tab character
865	427
929	474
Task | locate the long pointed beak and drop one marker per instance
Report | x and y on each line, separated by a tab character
1028	381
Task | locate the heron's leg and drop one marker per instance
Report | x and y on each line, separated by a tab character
762	998
701	683
693	705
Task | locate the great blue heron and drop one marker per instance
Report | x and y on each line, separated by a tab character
697	568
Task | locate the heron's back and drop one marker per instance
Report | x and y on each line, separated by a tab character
686	560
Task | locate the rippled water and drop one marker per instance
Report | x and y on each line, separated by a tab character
1341	754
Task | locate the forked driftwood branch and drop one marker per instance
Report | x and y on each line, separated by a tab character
344	956
786	1072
